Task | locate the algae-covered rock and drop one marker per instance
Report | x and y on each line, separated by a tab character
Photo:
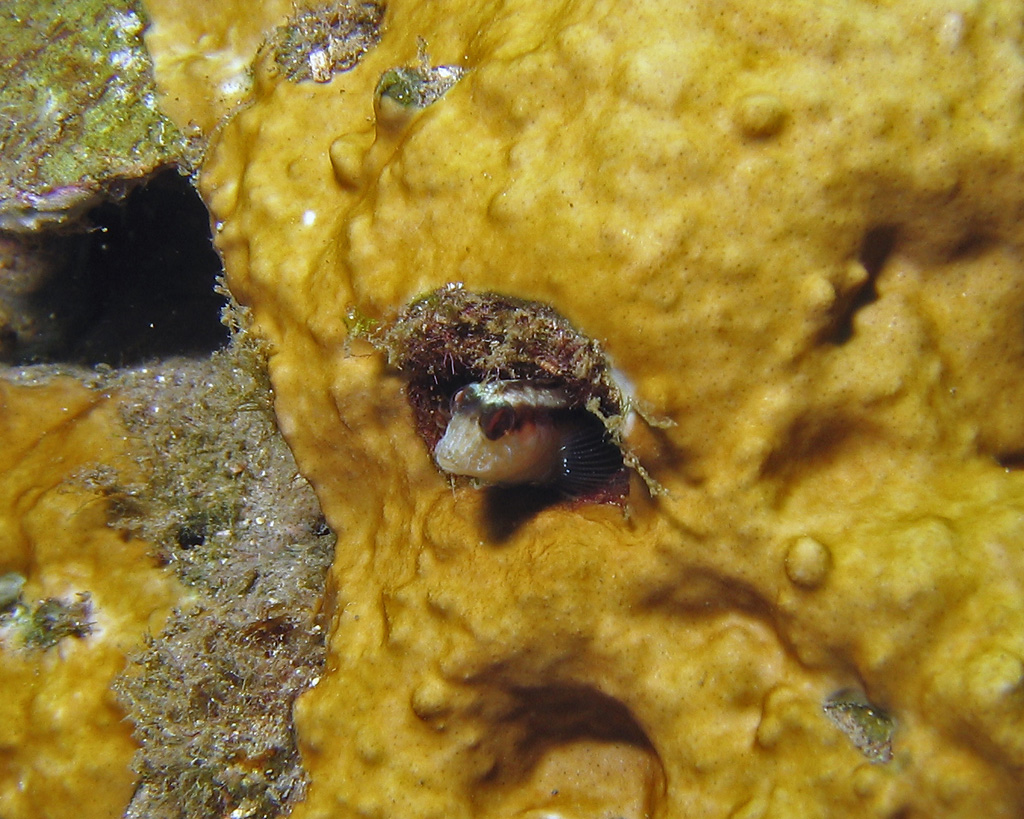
227	512
80	110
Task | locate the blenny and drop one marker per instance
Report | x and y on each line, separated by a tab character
511	432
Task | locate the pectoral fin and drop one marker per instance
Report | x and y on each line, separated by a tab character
590	461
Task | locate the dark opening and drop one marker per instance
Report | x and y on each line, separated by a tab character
152	267
555	714
133	281
1011	460
874	253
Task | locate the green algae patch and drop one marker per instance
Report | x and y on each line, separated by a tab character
868	727
80	110
49	621
405	90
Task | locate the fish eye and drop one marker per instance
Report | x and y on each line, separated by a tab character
497	422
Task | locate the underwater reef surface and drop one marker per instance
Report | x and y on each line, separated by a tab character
773	248
794	231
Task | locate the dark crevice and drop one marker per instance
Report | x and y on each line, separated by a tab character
554	745
153	266
876	248
818	441
874	253
972	246
137	285
557	714
707	594
1011	460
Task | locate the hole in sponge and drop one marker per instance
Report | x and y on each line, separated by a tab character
516	351
572	751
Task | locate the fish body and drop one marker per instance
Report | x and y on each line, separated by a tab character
511	432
